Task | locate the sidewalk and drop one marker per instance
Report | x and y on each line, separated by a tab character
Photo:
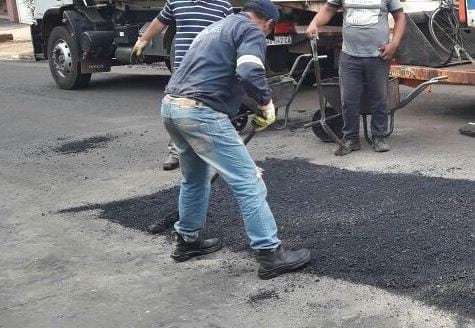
20	47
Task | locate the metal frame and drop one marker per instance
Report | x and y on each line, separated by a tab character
400	103
291	74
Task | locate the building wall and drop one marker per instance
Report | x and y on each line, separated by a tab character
12	10
3	8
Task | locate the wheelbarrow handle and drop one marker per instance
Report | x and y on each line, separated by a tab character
438	79
318	79
317	71
314	41
421	87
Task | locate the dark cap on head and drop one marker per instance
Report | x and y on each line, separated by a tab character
265	7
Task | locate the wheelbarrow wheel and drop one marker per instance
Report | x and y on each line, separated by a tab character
334	121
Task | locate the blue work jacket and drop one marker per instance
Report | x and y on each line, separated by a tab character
225	61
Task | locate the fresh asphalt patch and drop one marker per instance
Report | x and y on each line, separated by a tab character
408	234
84	145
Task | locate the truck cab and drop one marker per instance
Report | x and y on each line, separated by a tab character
81	37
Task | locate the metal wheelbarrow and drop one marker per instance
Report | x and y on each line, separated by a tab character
327	122
284	89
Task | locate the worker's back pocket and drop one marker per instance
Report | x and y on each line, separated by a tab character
197	134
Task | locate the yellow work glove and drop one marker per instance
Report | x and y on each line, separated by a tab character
265	116
138	47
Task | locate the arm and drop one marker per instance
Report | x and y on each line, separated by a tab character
164	18
155	28
321	19
389	50
250	70
399	27
251	73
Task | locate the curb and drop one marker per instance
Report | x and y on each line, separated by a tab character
6	37
21	57
19	50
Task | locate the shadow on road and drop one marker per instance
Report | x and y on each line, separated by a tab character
127	83
407	234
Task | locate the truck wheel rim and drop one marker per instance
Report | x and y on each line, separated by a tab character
62	58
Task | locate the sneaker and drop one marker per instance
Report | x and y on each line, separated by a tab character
274	262
184	251
349	146
171	163
380	145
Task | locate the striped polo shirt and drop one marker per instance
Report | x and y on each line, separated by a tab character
191	17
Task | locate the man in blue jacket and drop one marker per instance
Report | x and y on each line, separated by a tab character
224	61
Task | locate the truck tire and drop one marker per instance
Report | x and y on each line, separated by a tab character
63	59
171	57
169	44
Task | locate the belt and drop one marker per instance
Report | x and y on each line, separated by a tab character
184	102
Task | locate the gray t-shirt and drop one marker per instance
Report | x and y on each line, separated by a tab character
365	25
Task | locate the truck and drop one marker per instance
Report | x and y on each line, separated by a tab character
82	37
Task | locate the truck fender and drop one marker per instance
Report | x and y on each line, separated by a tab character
51	19
77	24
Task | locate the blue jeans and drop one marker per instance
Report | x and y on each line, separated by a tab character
356	73
206	138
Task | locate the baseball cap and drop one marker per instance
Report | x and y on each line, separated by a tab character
264	6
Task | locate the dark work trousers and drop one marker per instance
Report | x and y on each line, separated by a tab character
357	74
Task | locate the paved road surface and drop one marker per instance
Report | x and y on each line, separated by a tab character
81	176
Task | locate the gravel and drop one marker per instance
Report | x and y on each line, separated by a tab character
405	233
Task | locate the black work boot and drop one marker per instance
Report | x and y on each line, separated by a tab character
349	145
274	262
184	251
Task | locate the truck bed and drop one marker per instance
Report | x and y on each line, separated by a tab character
315	5
463	74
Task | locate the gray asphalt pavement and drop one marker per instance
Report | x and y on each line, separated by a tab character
80	179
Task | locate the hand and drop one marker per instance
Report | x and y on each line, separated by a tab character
265	116
138	47
312	31
388	51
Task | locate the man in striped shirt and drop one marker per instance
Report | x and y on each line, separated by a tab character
190	17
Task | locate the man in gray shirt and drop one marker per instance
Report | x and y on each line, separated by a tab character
364	59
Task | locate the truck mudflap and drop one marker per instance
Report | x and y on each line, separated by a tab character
91	65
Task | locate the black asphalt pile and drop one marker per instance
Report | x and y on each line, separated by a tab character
140	212
408	234
84	145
